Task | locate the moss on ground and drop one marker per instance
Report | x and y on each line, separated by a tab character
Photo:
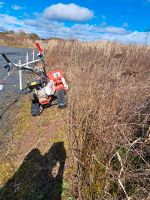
6	172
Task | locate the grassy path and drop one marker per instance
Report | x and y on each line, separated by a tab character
45	134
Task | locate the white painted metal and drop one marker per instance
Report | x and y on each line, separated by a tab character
27	59
20	76
20	66
1	87
25	64
33	54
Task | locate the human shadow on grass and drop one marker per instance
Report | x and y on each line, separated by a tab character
38	177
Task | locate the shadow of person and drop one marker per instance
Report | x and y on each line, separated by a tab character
38	177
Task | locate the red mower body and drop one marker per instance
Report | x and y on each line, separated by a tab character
45	101
56	76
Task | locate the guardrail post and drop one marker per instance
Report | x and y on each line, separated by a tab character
27	59
33	53
20	76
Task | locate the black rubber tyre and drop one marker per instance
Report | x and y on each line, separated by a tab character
35	108
35	105
61	98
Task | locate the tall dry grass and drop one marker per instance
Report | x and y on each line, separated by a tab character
108	120
20	39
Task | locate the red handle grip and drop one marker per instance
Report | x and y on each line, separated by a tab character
39	47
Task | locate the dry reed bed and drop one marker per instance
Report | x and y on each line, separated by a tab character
20	39
109	106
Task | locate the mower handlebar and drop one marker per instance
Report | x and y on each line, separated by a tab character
6	58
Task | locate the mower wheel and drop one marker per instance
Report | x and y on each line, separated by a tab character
35	108
61	98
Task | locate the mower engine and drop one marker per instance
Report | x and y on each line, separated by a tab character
37	84
39	88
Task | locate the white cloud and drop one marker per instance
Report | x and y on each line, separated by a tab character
16	7
50	28
2	29
137	37
70	11
6	19
1	4
115	30
12	23
86	32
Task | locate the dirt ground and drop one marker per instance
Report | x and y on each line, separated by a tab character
27	136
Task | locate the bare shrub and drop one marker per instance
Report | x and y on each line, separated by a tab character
108	117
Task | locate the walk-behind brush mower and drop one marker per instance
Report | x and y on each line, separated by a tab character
46	88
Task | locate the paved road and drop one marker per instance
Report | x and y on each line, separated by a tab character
12	83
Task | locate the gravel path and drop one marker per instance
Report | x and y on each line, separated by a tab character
11	85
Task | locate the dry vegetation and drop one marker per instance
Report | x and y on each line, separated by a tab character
109	107
20	39
108	119
33	155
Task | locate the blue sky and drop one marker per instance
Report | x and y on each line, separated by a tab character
123	20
